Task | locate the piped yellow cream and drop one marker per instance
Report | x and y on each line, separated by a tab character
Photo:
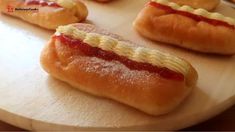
139	54
200	12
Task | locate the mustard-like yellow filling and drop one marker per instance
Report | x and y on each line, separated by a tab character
200	12
139	54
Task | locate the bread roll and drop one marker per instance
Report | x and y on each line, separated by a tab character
186	27
103	64
47	14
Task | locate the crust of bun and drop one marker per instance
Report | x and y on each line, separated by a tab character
142	90
46	17
205	4
158	25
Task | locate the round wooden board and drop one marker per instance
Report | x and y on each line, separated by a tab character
31	99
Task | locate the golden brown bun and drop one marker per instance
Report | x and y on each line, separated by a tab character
205	4
157	24
142	90
46	17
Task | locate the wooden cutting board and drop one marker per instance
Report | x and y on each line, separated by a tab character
31	99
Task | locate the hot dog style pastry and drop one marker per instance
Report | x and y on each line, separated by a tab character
196	29
48	14
103	64
205	4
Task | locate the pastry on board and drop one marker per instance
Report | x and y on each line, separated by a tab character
48	14
98	62
184	26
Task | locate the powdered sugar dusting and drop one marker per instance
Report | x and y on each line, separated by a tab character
115	68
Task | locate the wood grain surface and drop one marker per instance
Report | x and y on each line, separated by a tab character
32	100
222	122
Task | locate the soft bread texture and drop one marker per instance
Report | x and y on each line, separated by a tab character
142	90
71	11
205	4
159	25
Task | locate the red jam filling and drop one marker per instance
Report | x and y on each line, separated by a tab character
42	3
110	56
193	16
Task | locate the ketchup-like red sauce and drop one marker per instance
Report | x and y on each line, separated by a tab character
42	3
110	56
193	16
